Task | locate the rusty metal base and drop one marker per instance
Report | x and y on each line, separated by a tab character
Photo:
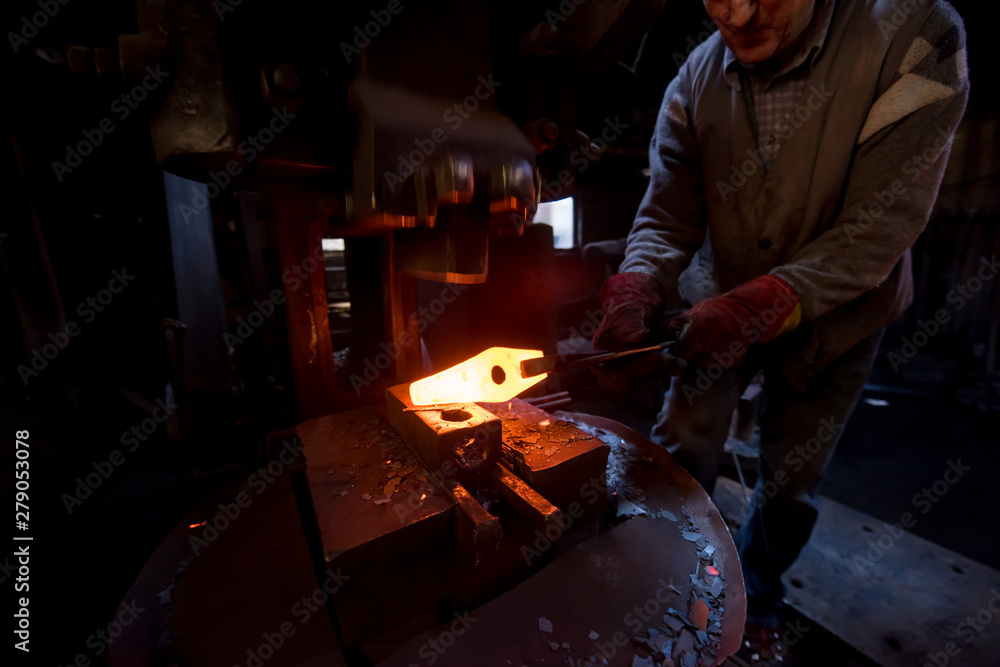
255	577
411	537
631	592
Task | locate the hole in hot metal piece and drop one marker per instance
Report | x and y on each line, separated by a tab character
456	415
498	375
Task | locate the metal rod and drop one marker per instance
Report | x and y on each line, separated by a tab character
538	400
739	472
554	404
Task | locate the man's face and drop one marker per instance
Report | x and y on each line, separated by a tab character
757	30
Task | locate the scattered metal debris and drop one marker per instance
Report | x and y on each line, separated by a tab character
698	612
682	640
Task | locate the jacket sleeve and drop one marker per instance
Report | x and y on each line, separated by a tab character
896	173
669	226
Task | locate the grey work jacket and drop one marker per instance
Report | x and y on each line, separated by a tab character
805	218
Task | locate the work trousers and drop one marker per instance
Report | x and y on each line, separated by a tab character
799	431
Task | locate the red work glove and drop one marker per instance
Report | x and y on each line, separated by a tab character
721	330
632	303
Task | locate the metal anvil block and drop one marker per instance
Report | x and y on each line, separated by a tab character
567	466
365	511
462	441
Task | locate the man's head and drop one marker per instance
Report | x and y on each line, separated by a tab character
758	30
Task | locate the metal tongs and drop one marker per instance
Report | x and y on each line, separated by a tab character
556	363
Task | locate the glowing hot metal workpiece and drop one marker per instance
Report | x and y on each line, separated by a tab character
493	375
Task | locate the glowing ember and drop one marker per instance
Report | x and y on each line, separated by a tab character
493	375
711	570
196	525
544	422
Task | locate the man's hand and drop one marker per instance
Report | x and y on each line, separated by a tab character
727	325
632	303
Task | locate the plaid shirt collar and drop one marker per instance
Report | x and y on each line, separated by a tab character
810	48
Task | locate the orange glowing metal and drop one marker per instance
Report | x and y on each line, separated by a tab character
492	376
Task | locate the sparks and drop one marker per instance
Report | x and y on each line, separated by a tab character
197	525
544	422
